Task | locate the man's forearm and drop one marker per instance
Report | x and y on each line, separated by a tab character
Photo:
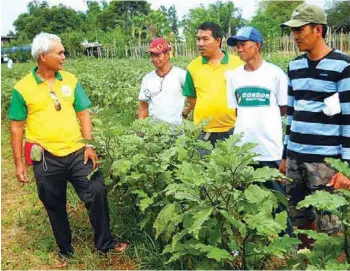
85	124
143	110
191	105
17	142
142	114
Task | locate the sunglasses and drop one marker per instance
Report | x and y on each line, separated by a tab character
55	100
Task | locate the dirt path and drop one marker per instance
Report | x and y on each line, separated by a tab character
27	241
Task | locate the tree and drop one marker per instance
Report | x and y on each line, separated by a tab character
72	41
338	15
156	24
90	26
271	13
223	13
41	18
173	20
120	14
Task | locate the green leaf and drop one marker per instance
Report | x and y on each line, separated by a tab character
281	219
344	192
255	194
337	266
144	221
280	197
324	201
214	235
282	245
264	225
121	167
177	237
237	224
198	219
145	203
219	254
342	167
172	226
265	174
163	218
140	193
318	236
186	196
176	256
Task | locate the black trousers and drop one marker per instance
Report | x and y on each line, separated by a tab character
277	186
52	191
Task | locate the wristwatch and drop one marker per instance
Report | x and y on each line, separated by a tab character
89	146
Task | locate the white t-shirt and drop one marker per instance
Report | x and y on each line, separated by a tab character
257	95
164	95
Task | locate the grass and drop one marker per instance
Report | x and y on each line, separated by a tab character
27	239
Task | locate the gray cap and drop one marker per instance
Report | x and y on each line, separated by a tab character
305	14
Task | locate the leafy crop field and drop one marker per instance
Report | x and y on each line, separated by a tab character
177	210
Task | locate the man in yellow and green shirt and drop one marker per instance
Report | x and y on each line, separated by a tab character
205	84
53	107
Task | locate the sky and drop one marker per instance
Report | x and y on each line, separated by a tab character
10	9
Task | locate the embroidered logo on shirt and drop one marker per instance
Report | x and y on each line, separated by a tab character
66	90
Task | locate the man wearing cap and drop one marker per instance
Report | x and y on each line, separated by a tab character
52	106
318	116
161	90
205	85
258	89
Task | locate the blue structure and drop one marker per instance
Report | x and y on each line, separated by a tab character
11	50
14	49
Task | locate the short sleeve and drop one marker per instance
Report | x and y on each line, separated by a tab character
189	89
282	88
142	94
230	88
182	77
18	108
81	100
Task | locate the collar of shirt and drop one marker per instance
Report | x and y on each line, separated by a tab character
39	80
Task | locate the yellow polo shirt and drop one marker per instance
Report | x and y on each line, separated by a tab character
56	131
208	84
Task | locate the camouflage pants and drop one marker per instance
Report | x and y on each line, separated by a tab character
308	178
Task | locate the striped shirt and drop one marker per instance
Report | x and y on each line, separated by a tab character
311	135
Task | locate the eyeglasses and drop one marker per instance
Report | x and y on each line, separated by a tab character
55	100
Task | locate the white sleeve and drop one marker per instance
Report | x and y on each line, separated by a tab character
230	88
282	88
142	94
182	77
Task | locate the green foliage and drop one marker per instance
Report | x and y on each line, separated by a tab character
178	210
42	18
338	15
340	166
328	248
199	209
270	14
223	13
324	201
